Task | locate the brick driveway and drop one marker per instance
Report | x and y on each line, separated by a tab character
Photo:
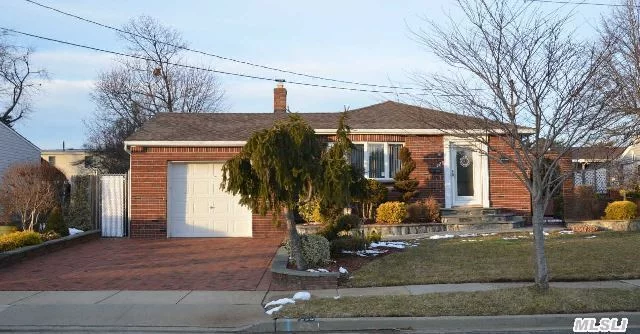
130	264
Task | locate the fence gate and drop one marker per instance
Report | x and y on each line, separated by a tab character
113	205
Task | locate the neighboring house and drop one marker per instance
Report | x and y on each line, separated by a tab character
176	161
71	162
15	149
604	167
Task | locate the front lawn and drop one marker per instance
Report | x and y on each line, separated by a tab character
497	302
610	255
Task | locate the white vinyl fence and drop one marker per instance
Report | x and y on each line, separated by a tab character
113	205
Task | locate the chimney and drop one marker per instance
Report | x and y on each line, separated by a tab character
280	98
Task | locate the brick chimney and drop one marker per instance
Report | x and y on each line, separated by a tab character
279	99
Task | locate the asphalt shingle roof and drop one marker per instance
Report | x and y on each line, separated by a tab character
240	126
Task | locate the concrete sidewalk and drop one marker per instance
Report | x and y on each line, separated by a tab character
193	311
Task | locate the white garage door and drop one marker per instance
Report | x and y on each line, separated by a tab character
197	207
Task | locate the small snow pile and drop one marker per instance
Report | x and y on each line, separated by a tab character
566	232
467	235
275	309
73	231
470	240
312	270
441	236
590	237
276	305
510	238
392	244
302	295
488	234
322	270
342	270
281	301
336	297
366	252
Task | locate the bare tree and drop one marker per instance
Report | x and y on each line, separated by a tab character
29	190
621	32
17	82
136	89
532	89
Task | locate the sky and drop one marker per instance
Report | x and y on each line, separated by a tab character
364	41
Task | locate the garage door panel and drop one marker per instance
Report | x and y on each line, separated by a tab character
199	208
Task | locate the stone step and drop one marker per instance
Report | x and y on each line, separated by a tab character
470	211
501	217
512	221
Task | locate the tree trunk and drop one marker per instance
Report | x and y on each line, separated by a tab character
542	273
294	240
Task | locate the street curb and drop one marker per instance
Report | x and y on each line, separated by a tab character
445	324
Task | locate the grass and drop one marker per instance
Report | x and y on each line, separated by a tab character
497	302
611	255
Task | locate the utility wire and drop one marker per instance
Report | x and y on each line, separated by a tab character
218	56
205	69
574	3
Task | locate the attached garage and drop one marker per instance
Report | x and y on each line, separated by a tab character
197	207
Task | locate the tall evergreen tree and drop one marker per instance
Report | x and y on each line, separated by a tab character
403	181
283	167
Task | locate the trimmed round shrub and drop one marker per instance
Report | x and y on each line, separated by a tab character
427	211
349	243
342	224
620	210
50	235
55	223
19	239
391	213
310	212
374	236
315	249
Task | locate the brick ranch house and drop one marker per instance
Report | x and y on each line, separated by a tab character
176	162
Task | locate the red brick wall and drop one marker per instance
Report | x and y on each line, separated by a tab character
505	189
149	188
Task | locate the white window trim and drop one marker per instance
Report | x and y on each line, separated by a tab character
386	158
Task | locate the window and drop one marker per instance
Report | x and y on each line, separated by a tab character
357	156
52	160
394	159
377	160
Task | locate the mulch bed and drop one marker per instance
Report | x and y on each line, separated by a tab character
353	262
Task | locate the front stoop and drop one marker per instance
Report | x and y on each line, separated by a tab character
472	218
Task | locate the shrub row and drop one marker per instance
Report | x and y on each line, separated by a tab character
19	239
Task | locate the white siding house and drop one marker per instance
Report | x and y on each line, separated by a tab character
14	148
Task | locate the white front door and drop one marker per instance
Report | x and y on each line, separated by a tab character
197	207
465	167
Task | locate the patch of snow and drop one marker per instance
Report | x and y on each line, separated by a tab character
510	238
336	297
467	235
342	270
566	232
441	236
312	270
488	234
545	233
302	295
73	231
322	270
470	240
590	237
281	301
275	309
390	244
